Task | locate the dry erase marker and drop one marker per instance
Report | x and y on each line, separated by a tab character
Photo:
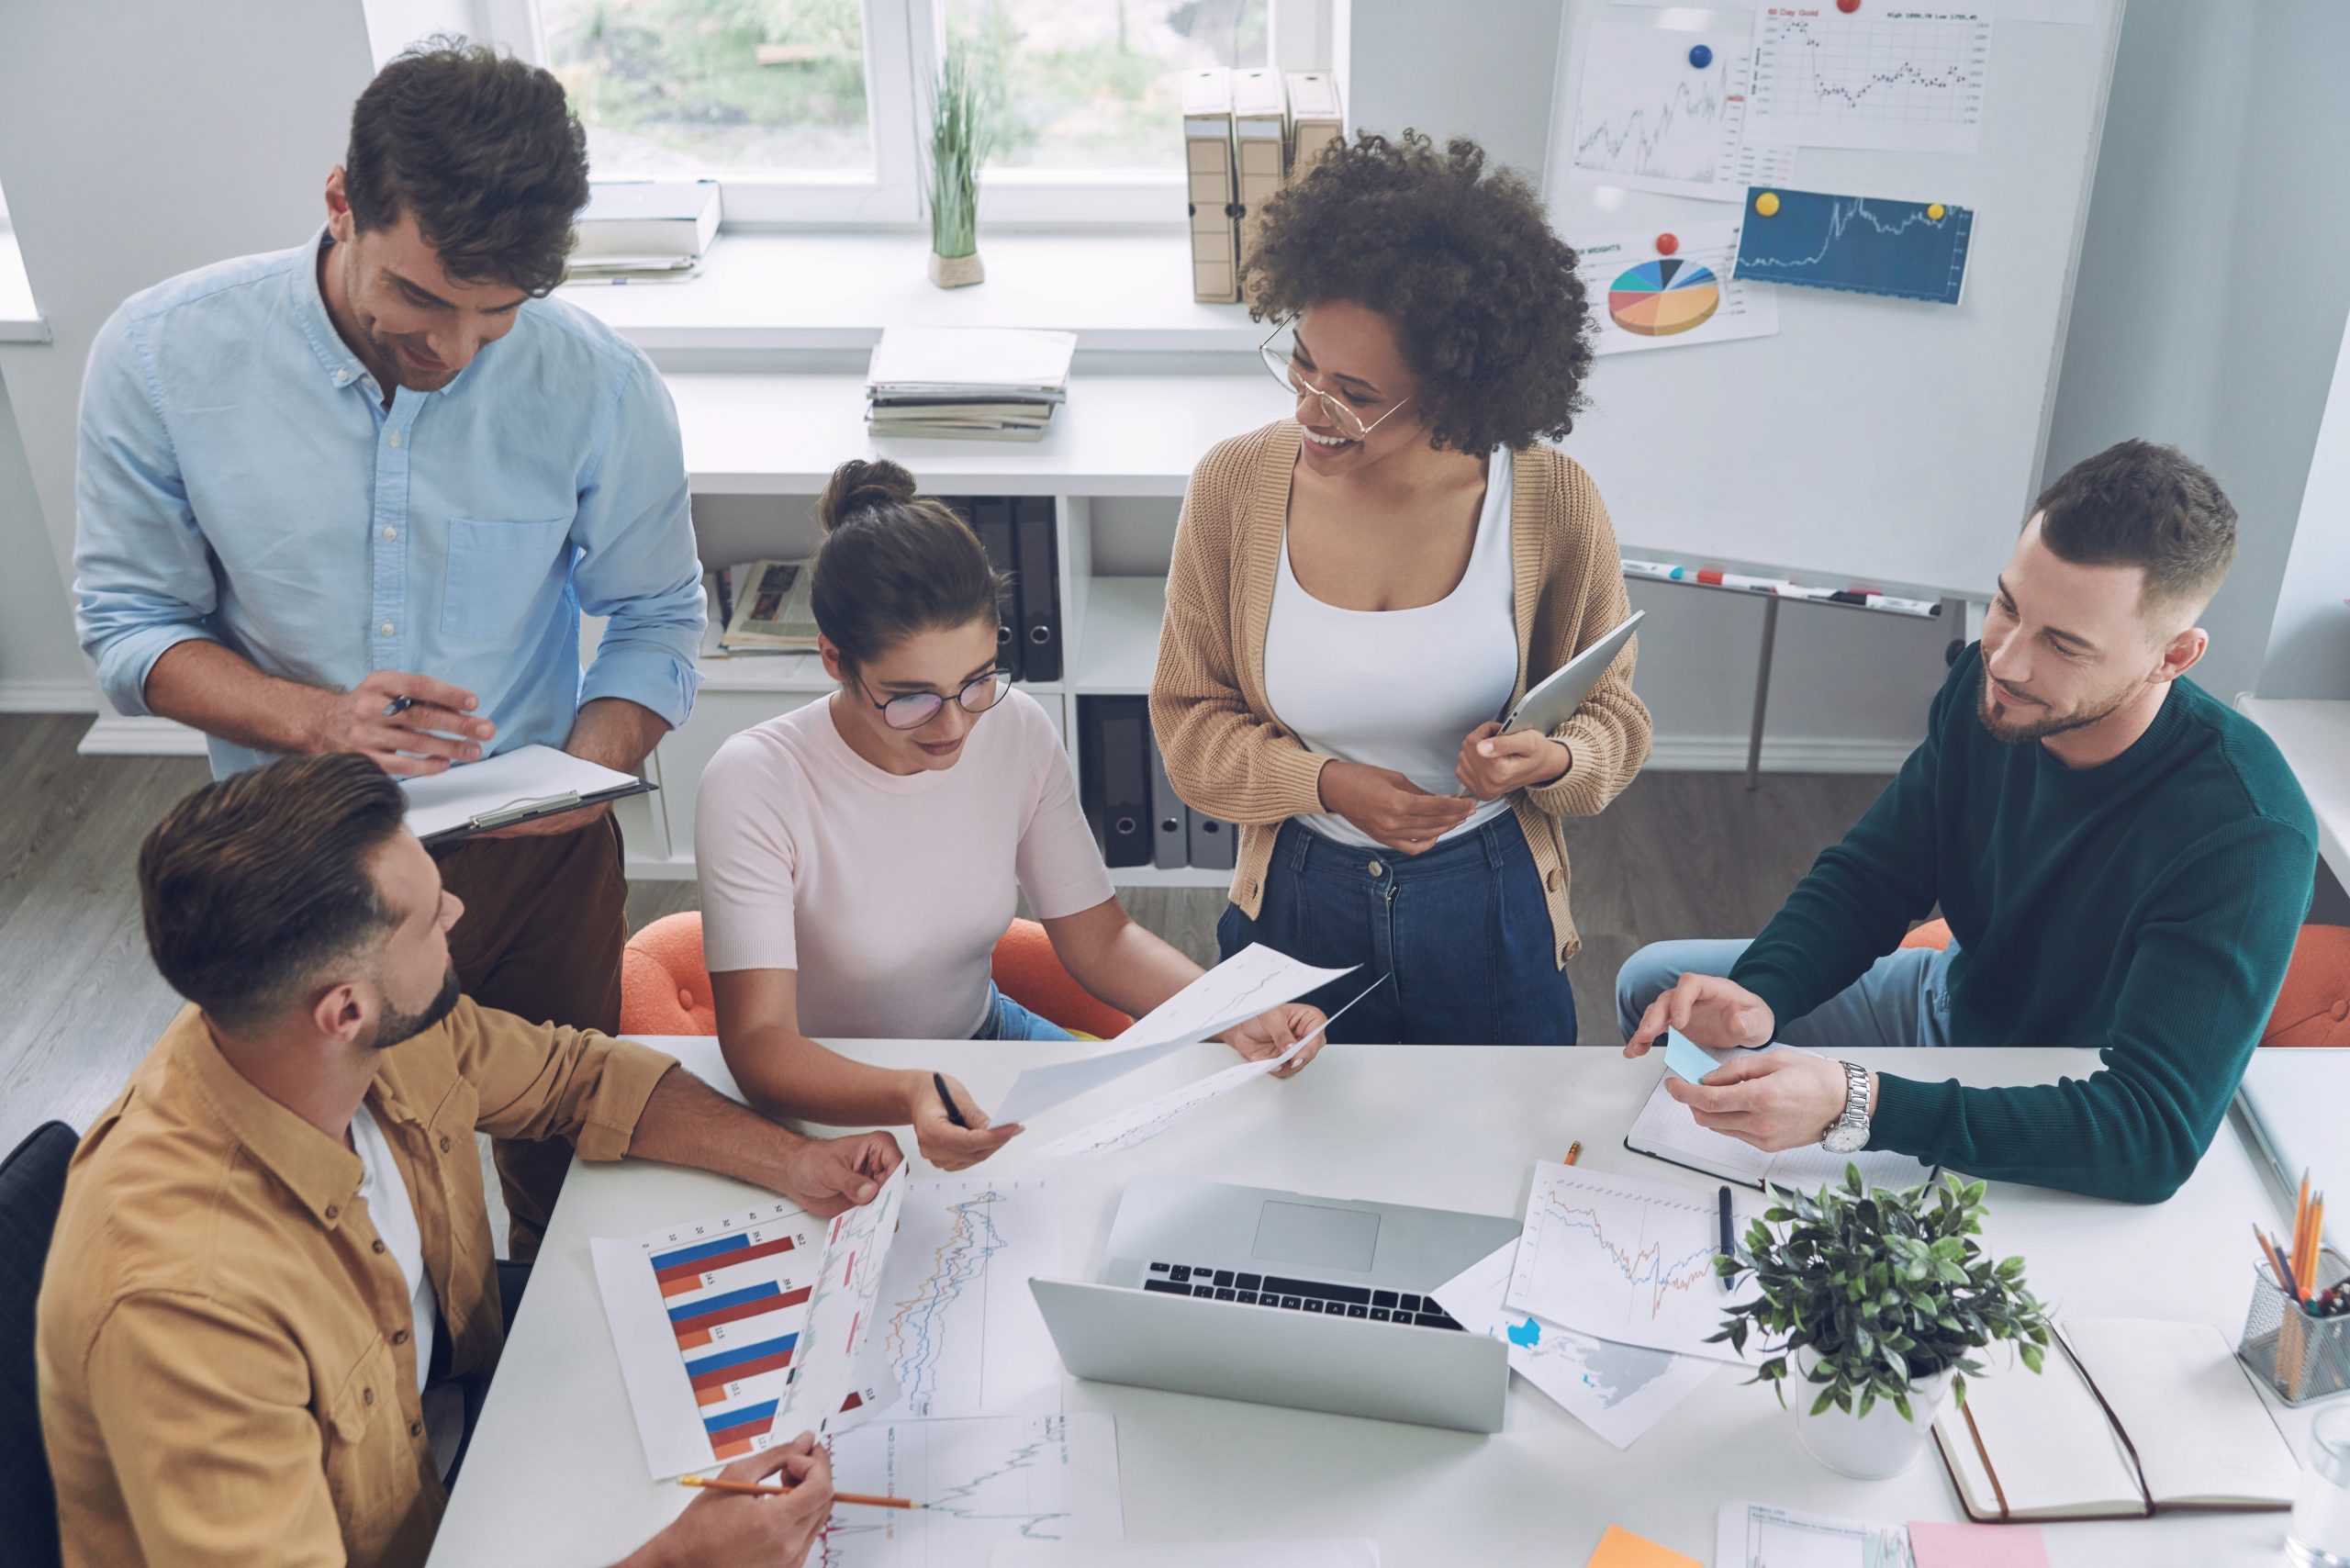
1657	569
1732	579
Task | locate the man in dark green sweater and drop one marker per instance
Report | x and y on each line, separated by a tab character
2124	863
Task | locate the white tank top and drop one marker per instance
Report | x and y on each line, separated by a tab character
1400	688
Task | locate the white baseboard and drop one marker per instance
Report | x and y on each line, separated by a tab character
48	697
113	735
1790	754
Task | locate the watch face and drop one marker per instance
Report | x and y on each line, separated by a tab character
1841	1139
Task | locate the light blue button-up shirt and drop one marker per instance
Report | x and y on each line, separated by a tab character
241	481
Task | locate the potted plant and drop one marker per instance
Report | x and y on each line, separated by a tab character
1880	1300
962	130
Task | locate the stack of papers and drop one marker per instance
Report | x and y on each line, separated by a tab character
968	382
645	232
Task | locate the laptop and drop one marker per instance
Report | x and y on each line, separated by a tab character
1281	1298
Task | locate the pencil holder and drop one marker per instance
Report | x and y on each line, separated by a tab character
2301	1357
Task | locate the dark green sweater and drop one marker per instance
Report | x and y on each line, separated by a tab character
2147	907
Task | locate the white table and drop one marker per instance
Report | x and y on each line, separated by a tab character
556	1475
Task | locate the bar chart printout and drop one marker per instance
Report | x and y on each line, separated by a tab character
718	1322
1624	1258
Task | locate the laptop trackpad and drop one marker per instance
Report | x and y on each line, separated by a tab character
1316	1237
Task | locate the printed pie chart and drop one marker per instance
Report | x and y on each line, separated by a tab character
1658	299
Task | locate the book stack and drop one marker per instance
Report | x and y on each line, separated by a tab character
645	232
967	382
759	607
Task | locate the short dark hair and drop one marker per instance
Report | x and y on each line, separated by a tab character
1462	262
481	149
254	882
893	563
2143	505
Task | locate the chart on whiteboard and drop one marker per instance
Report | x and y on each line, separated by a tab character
1654	300
1890	78
1908	250
1624	1258
980	1483
1664	110
956	1320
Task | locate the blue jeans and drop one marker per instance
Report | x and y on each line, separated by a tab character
1461	935
1903	1000
1007	1020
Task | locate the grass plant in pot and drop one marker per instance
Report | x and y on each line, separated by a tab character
1876	1303
963	116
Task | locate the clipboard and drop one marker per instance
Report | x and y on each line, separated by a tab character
513	787
1555	699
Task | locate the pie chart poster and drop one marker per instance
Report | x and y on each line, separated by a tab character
1680	294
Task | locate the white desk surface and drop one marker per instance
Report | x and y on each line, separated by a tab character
2314	735
556	1475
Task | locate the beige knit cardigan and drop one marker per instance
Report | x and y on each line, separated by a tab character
1229	754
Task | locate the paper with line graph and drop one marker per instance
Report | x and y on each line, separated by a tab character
981	1483
1893	78
743	1330
1236	991
1650	116
1625	1258
958	1324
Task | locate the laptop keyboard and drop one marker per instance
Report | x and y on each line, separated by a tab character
1296	1296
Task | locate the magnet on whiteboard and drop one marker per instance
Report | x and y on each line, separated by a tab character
1667	243
1936	212
1767	204
1848	7
1700	55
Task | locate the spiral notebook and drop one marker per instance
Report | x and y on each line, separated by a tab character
2129	1417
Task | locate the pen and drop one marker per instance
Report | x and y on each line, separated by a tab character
398	706
1730	1242
1574	1152
948	1099
761	1489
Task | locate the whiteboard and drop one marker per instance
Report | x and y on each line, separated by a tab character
1870	438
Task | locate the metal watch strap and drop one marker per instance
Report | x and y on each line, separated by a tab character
1856	1099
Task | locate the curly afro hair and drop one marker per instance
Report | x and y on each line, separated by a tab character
1487	309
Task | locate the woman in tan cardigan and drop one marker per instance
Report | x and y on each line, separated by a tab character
1357	593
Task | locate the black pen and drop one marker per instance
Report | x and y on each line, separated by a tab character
956	1116
1729	1241
398	705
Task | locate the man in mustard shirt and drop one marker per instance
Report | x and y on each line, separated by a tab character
274	1245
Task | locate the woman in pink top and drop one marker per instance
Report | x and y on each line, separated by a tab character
859	856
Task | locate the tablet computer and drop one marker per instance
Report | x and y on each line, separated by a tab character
1553	701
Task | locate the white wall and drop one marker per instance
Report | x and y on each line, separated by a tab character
137	141
41	670
2309	645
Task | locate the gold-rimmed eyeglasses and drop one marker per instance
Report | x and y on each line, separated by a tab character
1284	368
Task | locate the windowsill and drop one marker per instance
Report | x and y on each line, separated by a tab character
1120	291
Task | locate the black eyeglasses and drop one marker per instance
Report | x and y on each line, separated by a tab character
912	709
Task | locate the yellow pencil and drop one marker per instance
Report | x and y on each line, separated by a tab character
2317	1241
763	1489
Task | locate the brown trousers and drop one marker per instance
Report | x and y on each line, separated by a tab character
540	937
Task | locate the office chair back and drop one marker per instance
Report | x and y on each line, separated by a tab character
32	1189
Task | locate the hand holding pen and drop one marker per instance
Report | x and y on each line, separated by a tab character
410	725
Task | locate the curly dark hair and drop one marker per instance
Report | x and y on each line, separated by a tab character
483	149
1487	309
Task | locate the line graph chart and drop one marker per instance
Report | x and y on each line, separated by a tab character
1622	1258
955	1317
1897	79
983	1482
1861	244
1647	117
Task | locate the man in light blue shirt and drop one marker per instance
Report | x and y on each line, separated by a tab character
355	497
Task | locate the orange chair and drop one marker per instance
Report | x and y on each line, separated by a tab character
2313	1009
665	982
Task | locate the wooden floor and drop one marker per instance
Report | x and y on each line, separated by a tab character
1681	854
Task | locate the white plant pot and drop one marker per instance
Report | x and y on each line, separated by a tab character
956	271
1874	1447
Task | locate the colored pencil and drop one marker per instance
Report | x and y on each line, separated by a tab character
762	1489
1574	1152
2269	1258
2317	1243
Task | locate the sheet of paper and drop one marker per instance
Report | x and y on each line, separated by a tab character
1891	79
1687	1058
1688	298
1756	1535
956	1320
453	799
983	1483
1660	109
1244	985
1141	1123
2180	1396
1619	1548
1619	1391
1625	1258
1936	1544
745	1330
1187	1554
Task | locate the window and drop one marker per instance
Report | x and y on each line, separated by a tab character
15	289
814	110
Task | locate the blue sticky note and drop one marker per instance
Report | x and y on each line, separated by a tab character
1687	1058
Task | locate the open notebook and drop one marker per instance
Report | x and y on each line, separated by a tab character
1665	1130
2131	1416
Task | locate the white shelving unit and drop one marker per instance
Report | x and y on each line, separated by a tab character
1120	436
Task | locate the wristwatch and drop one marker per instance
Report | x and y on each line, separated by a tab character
1849	1133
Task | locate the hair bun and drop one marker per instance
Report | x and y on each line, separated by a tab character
857	486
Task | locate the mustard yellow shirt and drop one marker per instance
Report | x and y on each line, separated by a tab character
226	1365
